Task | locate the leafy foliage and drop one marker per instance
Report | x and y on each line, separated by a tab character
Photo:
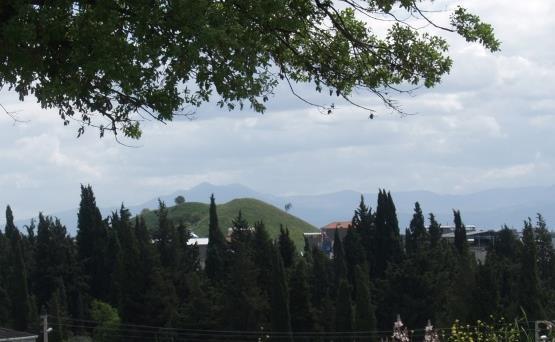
113	63
154	287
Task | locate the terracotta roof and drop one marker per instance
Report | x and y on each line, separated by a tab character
10	335
338	225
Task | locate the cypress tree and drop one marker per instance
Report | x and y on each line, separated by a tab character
365	316
5	267
165	238
56	311
529	281
339	266
343	309
17	284
363	224
354	253
388	241
10	229
546	253
286	247
434	231
279	300
241	234
486	294
307	251
461	245
299	298
246	304
263	254
92	240
417	237
505	260
4	305
160	299
321	283
129	270
217	246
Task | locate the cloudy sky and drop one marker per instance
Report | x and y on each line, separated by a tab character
490	124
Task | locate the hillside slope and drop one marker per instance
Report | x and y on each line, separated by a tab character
195	216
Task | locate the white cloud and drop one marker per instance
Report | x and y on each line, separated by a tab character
488	125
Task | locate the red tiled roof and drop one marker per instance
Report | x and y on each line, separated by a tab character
338	225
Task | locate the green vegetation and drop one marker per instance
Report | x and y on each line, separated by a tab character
109	64
195	216
120	281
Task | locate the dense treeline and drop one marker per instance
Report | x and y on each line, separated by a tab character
119	281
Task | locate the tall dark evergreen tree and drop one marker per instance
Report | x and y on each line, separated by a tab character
17	288
321	285
434	231
504	259
388	241
279	300
460	233
463	280
217	246
246	303
299	298
263	254
56	311
287	247
339	265
343	310
10	229
530	296
129	274
354	253
546	253
363	224
92	240
486	293
365	316
5	303
165	237
160	300
417	237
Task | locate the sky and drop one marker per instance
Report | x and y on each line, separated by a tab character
490	124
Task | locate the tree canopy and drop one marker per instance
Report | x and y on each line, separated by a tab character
111	64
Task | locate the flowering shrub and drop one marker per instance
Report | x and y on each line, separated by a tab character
484	332
400	332
430	334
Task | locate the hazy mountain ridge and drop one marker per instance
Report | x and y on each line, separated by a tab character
488	209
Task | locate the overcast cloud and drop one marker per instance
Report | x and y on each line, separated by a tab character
490	124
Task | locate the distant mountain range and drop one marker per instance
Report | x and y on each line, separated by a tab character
485	209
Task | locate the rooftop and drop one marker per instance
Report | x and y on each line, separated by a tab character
12	335
199	241
338	225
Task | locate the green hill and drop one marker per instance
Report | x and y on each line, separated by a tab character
195	216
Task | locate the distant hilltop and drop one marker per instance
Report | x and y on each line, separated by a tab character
488	209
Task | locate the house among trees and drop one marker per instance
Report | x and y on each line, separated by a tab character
323	240
341	226
478	239
202	244
13	335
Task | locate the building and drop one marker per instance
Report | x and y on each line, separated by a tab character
323	240
478	239
202	244
12	335
341	226
314	239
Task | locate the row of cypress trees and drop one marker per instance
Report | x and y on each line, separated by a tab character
256	286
